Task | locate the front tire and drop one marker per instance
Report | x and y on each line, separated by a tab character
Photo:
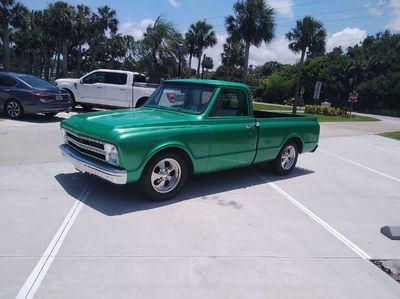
14	109
164	176
286	160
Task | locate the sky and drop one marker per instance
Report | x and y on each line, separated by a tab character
347	21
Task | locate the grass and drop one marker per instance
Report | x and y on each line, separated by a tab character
321	118
393	135
271	107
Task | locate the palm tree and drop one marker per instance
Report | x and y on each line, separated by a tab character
309	34
204	36
103	21
81	28
12	15
158	52
253	22
190	43
60	15
233	56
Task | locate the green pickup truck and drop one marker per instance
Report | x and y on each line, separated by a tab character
185	127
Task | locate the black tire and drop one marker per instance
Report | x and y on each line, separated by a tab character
14	109
163	184
286	160
86	107
71	95
50	114
141	101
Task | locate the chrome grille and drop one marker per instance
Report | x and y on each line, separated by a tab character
85	145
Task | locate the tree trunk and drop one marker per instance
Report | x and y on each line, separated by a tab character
94	57
190	61
246	61
65	59
299	75
202	67
58	63
46	64
199	63
78	62
6	46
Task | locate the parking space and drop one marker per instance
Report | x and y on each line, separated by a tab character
238	234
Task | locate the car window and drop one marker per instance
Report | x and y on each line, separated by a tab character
96	77
230	103
139	79
116	78
7	81
192	98
36	82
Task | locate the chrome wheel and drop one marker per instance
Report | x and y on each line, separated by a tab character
13	109
166	175
288	157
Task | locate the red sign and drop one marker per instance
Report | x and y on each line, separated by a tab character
353	97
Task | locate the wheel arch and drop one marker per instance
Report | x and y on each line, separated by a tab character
141	101
177	148
296	139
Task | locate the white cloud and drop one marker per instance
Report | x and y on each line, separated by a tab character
348	37
277	50
376	9
136	29
214	52
174	3
394	23
282	7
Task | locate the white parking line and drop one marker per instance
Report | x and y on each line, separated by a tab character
34	280
325	225
360	165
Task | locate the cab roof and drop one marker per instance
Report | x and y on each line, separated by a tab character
216	83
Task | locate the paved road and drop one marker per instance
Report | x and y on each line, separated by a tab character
238	234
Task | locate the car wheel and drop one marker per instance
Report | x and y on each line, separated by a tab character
50	114
164	176
14	109
86	107
286	160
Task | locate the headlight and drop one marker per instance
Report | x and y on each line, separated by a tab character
111	154
64	135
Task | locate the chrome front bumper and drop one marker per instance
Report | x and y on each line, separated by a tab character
83	165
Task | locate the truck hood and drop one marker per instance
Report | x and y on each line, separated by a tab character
67	80
111	125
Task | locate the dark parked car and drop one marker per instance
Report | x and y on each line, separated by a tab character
25	94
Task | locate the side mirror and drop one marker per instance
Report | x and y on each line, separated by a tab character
81	81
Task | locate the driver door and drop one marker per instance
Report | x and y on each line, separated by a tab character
232	131
91	89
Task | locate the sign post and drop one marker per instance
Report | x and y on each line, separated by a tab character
353	98
317	91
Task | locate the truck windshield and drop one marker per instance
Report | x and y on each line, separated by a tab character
189	97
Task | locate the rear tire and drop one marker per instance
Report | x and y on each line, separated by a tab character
50	114
286	160
13	109
164	176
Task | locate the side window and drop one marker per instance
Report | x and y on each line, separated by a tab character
96	77
7	81
139	78
116	78
230	103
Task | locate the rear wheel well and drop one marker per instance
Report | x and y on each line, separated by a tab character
298	142
71	94
141	101
178	151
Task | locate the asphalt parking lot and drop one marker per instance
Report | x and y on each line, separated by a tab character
238	234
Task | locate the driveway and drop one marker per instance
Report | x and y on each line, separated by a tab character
237	234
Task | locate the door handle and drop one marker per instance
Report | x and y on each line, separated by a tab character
7	90
256	125
99	87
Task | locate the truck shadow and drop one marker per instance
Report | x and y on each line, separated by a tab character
113	200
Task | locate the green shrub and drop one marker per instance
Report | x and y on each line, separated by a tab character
328	111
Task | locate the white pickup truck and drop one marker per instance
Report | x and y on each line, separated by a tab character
108	88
